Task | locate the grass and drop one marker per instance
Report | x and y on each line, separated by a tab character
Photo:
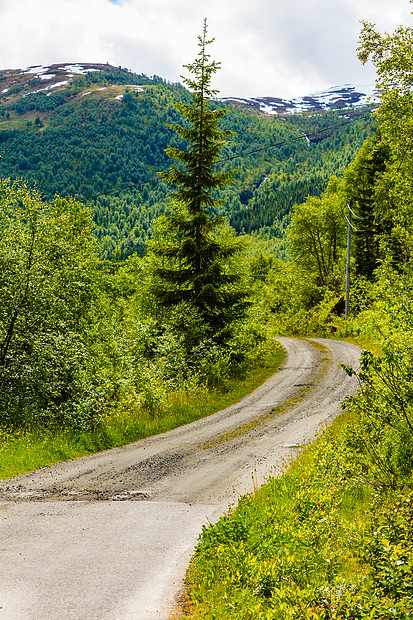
319	543
26	450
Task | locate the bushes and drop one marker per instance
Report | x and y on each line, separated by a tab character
80	338
316	544
382	437
388	552
49	279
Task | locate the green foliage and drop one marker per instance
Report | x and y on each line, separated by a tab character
279	178
392	56
128	420
388	552
331	539
88	141
383	439
317	237
315	544
297	295
49	273
192	260
373	224
80	338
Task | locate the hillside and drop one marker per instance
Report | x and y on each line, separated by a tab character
336	98
99	132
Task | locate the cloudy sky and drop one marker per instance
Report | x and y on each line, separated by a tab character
283	48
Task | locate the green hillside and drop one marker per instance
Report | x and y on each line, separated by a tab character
102	137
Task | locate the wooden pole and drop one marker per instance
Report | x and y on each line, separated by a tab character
348	261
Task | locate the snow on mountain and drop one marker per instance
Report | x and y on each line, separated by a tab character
19	83
344	97
335	98
46	73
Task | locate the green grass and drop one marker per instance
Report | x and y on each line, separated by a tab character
316	544
25	450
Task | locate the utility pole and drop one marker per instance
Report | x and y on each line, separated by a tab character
350	213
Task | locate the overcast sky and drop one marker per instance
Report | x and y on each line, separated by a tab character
282	48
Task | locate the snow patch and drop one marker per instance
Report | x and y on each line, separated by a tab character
57	84
70	69
39	69
337	98
34	92
78	69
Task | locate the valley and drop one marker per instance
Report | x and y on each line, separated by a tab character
159	248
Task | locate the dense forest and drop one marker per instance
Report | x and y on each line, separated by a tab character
102	141
117	310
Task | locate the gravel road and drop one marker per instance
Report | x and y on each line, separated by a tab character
109	536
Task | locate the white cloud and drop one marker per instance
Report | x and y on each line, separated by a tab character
267	47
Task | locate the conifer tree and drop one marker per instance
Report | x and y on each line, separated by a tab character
362	185
194	249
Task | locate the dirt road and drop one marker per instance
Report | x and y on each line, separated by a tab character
109	536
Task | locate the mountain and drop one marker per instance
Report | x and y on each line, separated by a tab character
100	132
16	84
40	79
336	98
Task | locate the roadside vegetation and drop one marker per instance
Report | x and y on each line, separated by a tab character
96	353
24	449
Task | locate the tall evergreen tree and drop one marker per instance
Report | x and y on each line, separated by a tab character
392	56
194	249
362	186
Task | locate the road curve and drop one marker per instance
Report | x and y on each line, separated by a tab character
108	536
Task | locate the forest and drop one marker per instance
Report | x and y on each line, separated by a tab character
119	311
81	141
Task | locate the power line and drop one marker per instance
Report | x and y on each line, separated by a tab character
305	136
113	191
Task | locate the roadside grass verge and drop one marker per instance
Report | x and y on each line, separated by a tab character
23	450
319	543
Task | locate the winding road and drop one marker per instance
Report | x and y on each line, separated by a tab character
109	536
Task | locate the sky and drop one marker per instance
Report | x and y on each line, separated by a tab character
278	48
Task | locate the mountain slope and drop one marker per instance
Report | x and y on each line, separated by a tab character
347	97
100	133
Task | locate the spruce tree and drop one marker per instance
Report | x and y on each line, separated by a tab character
362	182
194	249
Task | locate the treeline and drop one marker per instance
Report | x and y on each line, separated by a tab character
81	335
86	341
81	338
